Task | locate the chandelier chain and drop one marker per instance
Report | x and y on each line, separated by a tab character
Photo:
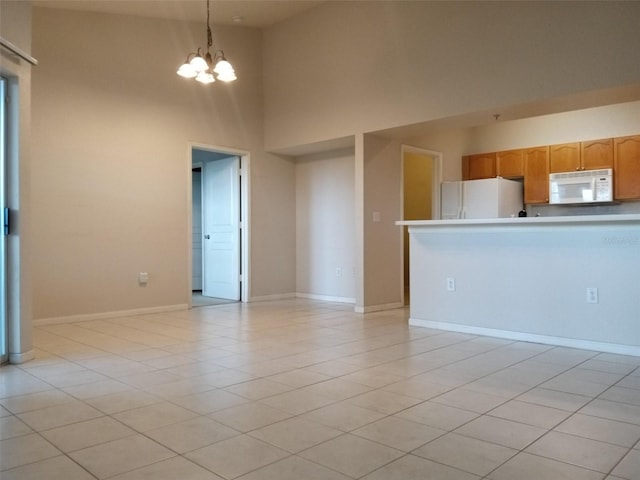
209	35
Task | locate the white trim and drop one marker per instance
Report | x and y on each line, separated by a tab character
107	315
18	358
326	298
275	296
530	337
378	308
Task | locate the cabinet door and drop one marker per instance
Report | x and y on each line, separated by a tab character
482	166
597	154
465	167
536	175
564	157
626	167
510	164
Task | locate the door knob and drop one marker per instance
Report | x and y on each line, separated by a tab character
207	237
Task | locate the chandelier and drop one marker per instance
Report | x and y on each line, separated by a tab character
203	65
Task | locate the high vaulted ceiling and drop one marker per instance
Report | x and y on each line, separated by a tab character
250	13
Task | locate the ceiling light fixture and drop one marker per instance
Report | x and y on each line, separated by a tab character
203	65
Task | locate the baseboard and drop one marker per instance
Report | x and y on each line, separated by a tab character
530	337
18	358
107	315
378	308
326	298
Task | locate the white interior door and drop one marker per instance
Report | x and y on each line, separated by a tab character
221	228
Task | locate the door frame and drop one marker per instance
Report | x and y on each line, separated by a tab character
4	278
245	216
435	194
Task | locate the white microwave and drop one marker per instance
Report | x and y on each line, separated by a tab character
585	186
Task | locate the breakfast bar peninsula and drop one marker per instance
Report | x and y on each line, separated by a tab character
567	280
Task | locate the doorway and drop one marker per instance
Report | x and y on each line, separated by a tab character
420	197
219	246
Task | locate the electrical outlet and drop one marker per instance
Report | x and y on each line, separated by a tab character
592	295
451	284
143	278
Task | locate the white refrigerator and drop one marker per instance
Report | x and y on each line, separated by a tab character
487	198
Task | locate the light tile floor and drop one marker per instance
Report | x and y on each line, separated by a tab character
299	389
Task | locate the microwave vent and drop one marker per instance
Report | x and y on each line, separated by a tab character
583	173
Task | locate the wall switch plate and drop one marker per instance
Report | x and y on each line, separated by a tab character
143	278
592	295
338	272
376	217
451	284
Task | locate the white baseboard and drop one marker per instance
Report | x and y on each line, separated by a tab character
530	337
326	298
18	358
378	308
106	315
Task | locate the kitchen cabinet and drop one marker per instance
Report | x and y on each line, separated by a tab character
626	168
481	166
596	154
465	167
536	175
510	164
564	157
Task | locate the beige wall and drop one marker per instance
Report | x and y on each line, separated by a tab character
382	240
617	120
15	27
112	124
348	67
111	172
325	225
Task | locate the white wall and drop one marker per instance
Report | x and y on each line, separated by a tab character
111	172
367	66
15	27
325	225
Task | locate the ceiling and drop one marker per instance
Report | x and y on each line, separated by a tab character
248	13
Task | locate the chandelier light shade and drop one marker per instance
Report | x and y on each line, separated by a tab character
205	66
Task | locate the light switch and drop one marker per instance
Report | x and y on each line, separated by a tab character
376	217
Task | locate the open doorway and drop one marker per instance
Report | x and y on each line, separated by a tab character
420	196
219	246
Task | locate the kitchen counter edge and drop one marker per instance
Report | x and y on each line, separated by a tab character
559	220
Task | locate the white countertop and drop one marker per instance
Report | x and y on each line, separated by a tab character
522	221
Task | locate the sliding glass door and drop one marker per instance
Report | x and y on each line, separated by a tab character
4	220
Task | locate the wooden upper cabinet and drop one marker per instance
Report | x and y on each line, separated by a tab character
626	167
564	157
482	166
510	164
597	154
465	167
536	175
